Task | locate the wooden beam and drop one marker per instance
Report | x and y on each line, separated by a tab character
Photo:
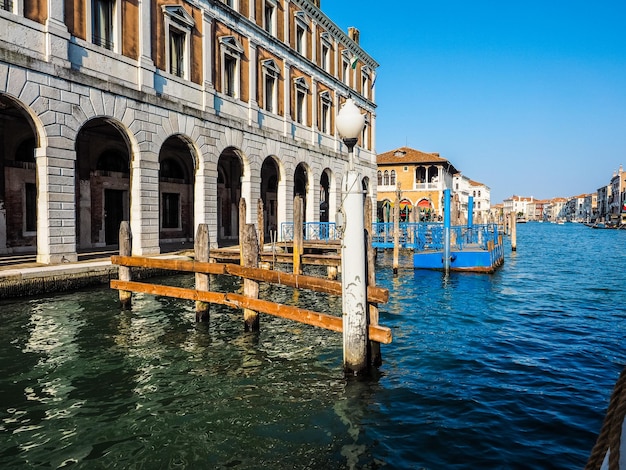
329	322
374	294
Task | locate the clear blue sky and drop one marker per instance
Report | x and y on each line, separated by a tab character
528	97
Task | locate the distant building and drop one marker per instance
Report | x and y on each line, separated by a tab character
604	196
617	199
464	187
420	179
517	205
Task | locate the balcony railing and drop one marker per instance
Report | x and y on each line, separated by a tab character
319	231
425	236
6	5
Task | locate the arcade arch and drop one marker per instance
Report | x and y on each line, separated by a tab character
103	182
176	191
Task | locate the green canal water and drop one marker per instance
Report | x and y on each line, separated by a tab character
511	370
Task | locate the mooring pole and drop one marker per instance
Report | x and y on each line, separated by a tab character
396	233
250	258
353	280
201	253
260	211
124	273
446	230
513	231
375	357
297	234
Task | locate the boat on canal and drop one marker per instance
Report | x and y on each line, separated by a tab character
441	246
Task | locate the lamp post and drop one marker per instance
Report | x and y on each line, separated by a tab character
350	123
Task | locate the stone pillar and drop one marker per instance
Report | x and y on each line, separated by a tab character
144	204
56	205
146	68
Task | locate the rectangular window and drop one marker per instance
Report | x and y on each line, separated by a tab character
230	72
177	52
270	93
325	117
30	199
6	5
325	54
171	210
269	16
365	86
299	39
300	103
345	66
102	33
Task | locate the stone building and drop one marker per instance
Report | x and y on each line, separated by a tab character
420	178
165	113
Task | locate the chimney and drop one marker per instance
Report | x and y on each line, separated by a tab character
353	34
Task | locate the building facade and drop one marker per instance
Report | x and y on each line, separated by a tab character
165	113
419	177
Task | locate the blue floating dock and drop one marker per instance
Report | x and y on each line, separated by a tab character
473	260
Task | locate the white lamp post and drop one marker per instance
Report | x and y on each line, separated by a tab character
350	123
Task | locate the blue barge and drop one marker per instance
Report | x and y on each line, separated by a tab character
440	246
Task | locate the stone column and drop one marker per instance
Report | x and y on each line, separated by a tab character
57	35
144	203
146	68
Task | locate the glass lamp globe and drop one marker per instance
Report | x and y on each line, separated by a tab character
350	121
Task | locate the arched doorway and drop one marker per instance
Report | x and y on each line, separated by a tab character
229	174
18	179
103	183
406	208
301	186
384	211
270	177
176	177
325	195
424	207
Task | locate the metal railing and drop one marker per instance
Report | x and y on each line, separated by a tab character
424	236
323	231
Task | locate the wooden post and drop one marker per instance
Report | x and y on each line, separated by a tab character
396	233
124	272
242	221
297	235
250	258
374	347
260	224
201	253
513	231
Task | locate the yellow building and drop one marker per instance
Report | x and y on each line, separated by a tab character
420	179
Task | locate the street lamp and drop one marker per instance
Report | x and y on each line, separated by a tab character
350	123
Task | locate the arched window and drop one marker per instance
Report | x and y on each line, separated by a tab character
474	193
386	178
393	177
478	193
380	178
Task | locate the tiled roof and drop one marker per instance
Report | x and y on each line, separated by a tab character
406	155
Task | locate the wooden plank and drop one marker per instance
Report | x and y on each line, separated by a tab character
374	294
309	317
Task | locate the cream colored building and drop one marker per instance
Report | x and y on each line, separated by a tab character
167	112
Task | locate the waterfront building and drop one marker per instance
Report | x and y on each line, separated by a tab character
166	113
557	209
517	205
617	198
603	196
465	187
536	209
419	178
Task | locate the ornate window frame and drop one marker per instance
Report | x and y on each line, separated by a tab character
178	25
301	91
230	50
113	42
271	74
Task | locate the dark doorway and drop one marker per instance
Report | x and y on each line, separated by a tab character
113	215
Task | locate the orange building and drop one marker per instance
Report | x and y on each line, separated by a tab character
417	178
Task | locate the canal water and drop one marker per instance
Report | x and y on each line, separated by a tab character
510	370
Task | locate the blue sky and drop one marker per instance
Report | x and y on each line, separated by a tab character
528	98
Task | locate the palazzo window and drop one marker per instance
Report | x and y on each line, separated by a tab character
301	92
7	5
386	178
231	3
301	29
365	82
230	52
345	67
325	52
269	17
393	178
178	25
270	78
105	23
325	108
365	143
380	178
